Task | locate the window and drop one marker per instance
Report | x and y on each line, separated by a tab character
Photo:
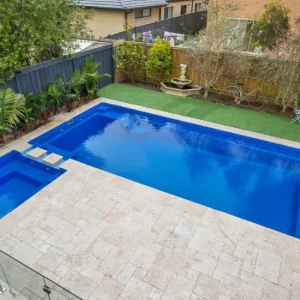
168	12
142	13
183	9
198	6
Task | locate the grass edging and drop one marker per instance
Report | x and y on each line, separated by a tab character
259	122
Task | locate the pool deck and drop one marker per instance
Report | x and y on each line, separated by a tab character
104	237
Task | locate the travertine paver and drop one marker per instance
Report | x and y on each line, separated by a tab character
105	237
52	159
36	153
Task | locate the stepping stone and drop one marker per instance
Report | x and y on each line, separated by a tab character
23	147
52	159
36	153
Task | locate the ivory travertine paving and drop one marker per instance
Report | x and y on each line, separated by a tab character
104	237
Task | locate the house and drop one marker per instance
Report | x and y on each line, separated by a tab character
250	9
111	16
176	8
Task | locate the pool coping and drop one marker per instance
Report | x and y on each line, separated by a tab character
21	144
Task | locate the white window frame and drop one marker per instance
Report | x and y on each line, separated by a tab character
144	13
170	11
198	6
184	5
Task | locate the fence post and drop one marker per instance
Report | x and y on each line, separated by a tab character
135	32
113	52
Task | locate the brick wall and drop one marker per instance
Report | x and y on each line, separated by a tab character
253	8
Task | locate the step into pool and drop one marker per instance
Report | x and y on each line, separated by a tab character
21	178
248	178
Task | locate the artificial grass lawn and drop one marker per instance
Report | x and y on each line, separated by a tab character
232	116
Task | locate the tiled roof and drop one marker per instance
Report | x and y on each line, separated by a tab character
122	4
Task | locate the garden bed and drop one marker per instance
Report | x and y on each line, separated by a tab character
21	131
220	99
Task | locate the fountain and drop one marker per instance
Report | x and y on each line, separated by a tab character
181	82
180	86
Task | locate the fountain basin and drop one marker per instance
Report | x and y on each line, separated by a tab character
181	83
171	88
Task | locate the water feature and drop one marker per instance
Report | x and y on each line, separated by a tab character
180	86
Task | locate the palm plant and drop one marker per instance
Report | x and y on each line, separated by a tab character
32	106
76	83
54	96
12	108
43	105
27	118
91	76
70	90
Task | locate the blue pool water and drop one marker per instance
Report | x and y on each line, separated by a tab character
21	178
251	179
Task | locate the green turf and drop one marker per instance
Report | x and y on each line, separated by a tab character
236	117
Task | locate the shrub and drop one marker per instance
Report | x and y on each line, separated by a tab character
159	62
131	58
12	108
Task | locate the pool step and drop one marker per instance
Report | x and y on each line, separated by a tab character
36	153
41	155
52	159
24	148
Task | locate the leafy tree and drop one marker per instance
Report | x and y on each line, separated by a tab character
159	63
272	26
130	57
38	30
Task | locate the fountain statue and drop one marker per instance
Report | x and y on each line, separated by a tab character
181	82
182	73
180	86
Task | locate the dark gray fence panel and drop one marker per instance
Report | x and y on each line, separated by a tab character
193	21
12	84
35	79
104	58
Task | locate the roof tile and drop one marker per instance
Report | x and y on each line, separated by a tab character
122	4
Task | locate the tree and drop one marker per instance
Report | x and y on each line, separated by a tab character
281	67
159	63
207	51
272	26
38	30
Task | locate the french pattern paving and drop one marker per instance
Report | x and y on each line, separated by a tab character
105	237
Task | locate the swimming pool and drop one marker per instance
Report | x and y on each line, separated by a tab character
21	178
248	178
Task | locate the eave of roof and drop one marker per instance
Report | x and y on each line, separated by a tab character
122	4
